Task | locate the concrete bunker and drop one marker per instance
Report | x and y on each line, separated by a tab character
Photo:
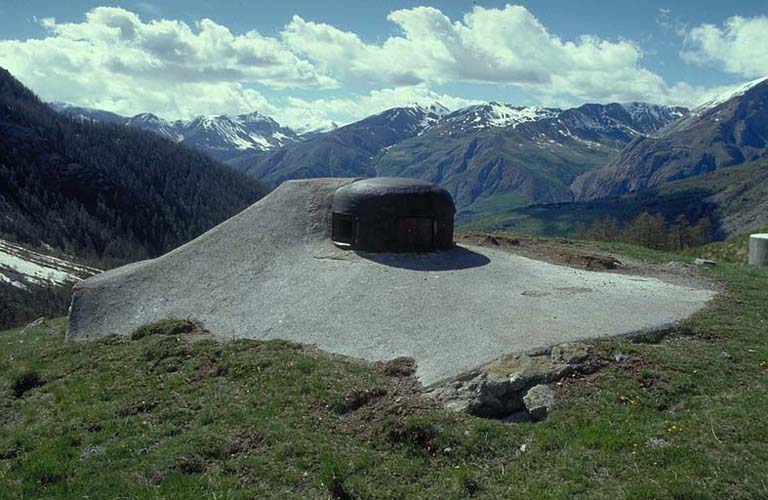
272	272
392	214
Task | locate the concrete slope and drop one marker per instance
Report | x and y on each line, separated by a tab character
272	272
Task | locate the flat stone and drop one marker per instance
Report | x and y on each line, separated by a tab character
91	451
704	262
537	401
571	353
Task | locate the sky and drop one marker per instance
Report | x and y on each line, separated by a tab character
307	63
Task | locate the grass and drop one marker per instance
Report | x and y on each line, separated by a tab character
169	416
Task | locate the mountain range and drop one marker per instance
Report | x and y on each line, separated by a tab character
488	155
222	137
496	158
729	130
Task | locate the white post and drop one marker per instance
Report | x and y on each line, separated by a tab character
758	250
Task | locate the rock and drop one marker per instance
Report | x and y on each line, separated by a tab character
517	417
33	324
620	357
572	353
537	401
91	451
498	389
657	442
522	370
704	262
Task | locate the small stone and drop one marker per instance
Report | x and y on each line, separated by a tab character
33	324
91	451
537	401
524	447
725	355
704	262
620	357
657	442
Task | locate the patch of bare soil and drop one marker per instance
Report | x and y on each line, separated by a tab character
585	255
366	411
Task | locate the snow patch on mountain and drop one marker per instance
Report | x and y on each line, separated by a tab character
736	91
504	115
642	110
497	115
23	268
219	134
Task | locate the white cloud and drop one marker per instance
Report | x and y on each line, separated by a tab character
666	21
114	58
739	46
492	46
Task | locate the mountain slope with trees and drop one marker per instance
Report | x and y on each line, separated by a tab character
103	192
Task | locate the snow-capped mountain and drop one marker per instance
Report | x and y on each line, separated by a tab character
529	154
728	130
346	151
226	136
153	123
632	119
737	91
494	114
526	154
223	137
309	132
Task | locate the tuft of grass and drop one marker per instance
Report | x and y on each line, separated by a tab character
168	327
333	474
465	481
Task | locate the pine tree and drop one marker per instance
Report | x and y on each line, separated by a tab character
702	232
647	230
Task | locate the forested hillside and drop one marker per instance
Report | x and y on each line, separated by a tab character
106	193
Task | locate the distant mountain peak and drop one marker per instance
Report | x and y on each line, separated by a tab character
499	115
221	136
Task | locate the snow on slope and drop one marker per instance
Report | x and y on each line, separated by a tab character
494	114
23	268
503	115
719	99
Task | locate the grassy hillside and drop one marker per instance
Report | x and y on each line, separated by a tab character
174	414
736	199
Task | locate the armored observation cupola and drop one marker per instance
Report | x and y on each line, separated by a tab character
392	214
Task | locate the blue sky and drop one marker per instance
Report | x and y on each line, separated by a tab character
340	60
